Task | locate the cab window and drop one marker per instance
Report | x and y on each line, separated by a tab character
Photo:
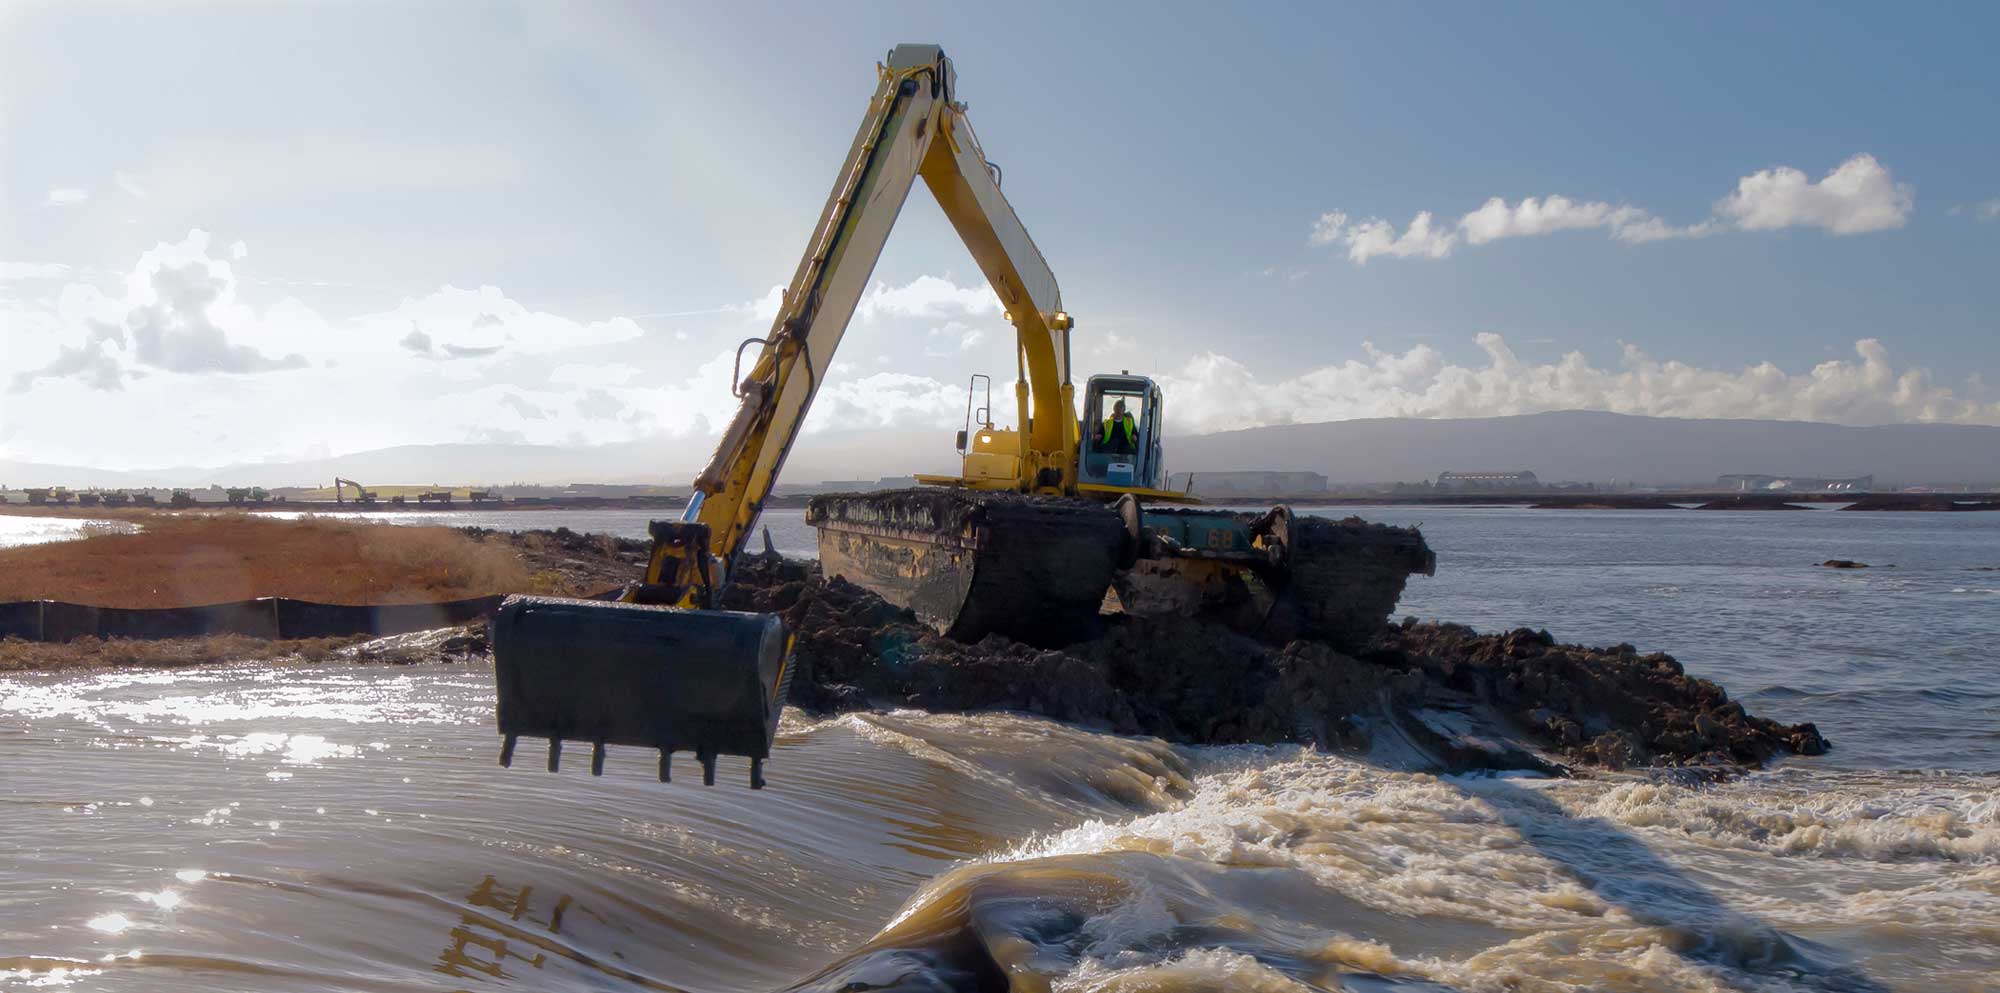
1116	429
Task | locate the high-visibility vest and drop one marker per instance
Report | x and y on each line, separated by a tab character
1127	423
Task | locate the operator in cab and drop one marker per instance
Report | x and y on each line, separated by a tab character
1121	432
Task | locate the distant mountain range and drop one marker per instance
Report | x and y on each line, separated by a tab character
832	455
1594	446
1564	445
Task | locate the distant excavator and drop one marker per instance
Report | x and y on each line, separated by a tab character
362	498
1044	523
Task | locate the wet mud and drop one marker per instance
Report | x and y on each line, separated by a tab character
1440	696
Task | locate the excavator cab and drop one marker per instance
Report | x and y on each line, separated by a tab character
1122	450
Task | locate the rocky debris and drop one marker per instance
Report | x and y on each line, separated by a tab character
1611	707
1460	698
454	644
1346	578
571	563
1843	564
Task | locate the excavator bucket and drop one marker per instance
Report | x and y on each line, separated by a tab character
972	563
711	682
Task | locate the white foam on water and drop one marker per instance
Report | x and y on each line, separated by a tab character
1876	818
1401	842
1616	883
1199	969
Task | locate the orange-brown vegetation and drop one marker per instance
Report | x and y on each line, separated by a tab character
183	560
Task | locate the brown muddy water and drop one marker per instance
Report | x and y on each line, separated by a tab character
343	827
272	827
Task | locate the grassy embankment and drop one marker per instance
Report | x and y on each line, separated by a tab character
181	560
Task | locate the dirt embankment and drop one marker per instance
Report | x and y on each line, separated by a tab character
1456	698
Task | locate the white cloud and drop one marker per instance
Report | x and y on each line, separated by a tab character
1215	392
1495	219
886	400
32	270
1858	196
593	374
66	196
1367	239
1107	343
117	365
130	184
524	407
954	337
764	308
114	364
237	250
927	296
171	319
484	322
1984	210
599	405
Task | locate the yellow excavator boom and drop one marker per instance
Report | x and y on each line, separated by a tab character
914	127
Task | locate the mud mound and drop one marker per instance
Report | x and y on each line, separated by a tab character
1604	706
1347	576
1446	690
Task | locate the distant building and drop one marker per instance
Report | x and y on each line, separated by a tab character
1487	482
1258	482
845	485
1756	483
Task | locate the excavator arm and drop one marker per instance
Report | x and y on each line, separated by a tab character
664	668
914	127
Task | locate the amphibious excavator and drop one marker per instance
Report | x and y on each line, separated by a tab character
1047	522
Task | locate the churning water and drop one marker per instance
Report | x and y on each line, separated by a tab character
296	827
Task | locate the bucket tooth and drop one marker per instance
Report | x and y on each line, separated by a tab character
970	564
706	681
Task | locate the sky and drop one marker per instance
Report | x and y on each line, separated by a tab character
244	232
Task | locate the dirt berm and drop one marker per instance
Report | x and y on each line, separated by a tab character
1438	695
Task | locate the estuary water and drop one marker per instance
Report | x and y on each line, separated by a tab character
314	827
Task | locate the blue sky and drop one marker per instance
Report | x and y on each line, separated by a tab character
627	180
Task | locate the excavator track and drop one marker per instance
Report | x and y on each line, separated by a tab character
1033	568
